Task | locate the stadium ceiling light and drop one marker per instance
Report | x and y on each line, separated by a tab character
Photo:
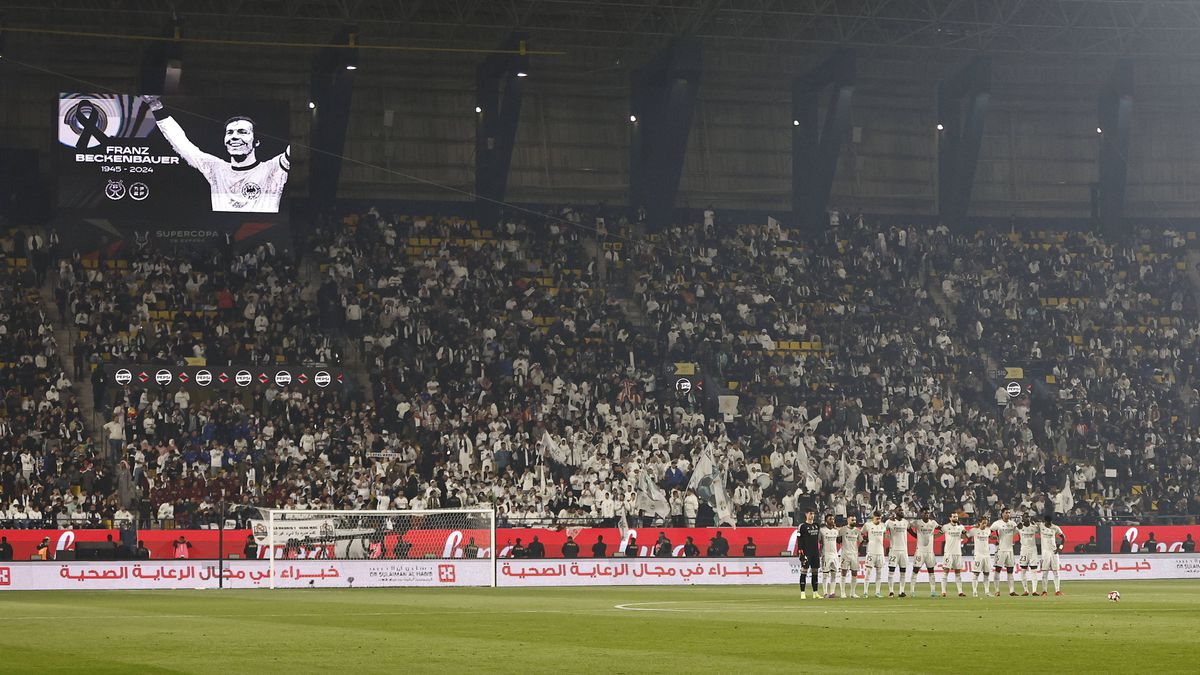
1099	130
312	106
795	123
633	118
940	127
522	73
351	67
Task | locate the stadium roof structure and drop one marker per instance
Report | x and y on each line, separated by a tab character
1136	28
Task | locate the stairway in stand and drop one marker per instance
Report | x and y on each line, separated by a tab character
65	339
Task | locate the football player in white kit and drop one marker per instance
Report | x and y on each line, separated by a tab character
1028	558
851	536
1052	543
981	537
952	558
1005	529
241	183
830	536
897	527
924	529
875	532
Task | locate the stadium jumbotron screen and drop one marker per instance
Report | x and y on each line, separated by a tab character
133	156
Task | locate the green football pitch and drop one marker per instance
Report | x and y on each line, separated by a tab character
608	630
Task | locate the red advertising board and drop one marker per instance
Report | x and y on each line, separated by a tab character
158	542
1076	535
206	544
1170	538
25	542
770	541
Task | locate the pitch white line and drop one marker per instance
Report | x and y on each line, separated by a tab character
836	608
77	617
633	606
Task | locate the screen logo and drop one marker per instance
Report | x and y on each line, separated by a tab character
322	379
1013	389
115	190
88	122
123	377
203	378
163	377
243	378
283	378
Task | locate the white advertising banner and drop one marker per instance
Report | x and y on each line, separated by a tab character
359	573
183	574
648	572
696	571
203	574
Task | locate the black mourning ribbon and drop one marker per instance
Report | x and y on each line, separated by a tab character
90	128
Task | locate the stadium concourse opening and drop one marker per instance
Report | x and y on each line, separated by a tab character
603	327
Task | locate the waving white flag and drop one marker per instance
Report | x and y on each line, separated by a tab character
651	499
554	450
709	484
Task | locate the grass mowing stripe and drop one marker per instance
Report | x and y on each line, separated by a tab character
719	629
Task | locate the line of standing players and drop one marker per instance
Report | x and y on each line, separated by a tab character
833	551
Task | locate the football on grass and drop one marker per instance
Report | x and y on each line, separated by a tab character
1115	596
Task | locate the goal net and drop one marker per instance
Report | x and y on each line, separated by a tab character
380	548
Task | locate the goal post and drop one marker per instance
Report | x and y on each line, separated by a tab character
381	548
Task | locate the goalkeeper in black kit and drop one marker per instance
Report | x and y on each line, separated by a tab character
809	551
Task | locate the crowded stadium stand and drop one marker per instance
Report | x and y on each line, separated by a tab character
497	366
480	336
